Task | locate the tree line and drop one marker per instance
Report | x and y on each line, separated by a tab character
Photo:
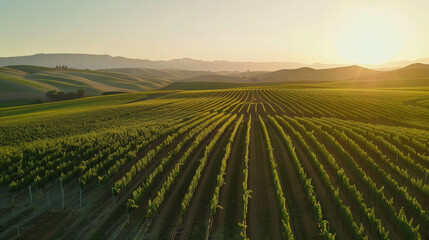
53	95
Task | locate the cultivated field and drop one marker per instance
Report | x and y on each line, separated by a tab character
259	163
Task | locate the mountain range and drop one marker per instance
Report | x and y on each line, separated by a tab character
91	61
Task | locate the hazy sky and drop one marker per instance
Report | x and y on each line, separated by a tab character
308	31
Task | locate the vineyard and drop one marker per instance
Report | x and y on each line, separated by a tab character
250	163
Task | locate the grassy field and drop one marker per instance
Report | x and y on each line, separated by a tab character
303	161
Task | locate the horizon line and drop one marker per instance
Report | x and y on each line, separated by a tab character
218	60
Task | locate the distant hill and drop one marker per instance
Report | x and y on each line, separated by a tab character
212	85
417	66
170	74
416	70
349	73
398	64
310	74
31	82
92	61
415	76
288	75
23	81
215	78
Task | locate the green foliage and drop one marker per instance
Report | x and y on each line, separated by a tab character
308	187
157	201
287	231
350	137
246	192
214	203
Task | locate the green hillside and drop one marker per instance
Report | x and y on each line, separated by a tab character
169	74
31	82
212	85
25	84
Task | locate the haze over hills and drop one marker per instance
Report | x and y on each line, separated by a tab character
91	61
399	64
310	74
25	82
354	72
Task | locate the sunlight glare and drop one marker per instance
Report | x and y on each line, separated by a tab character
369	37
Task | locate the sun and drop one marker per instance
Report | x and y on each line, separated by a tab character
369	37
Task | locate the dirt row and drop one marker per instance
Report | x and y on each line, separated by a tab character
97	203
304	224
225	223
264	214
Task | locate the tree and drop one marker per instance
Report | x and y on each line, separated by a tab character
51	94
80	93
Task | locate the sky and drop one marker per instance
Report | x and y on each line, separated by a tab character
306	31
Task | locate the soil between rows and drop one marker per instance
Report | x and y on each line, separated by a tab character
225	223
264	214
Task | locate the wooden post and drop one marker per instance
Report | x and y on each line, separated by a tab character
426	176
427	158
80	194
62	194
426	232
113	196
208	227
31	196
395	225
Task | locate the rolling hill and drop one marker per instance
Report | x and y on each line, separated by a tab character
347	74
216	78
216	85
31	82
170	74
22	81
310	74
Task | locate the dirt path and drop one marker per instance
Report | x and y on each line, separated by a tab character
102	221
98	216
196	219
304	225
136	221
264	214
370	200
328	206
165	221
388	190
225	223
274	104
29	218
137	218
